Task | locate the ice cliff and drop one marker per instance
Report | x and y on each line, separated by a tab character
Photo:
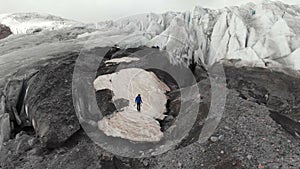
263	35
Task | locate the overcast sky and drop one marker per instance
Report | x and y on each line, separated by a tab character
97	10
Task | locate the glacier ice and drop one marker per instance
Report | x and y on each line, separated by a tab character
204	35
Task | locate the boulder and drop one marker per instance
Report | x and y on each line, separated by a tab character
4	128
104	101
15	90
290	125
4	31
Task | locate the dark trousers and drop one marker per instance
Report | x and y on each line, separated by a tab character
138	106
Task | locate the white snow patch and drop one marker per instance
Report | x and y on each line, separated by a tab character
129	123
123	59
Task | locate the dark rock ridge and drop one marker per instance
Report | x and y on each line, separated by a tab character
4	31
259	126
49	102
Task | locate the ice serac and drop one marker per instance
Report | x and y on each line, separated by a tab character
219	39
174	39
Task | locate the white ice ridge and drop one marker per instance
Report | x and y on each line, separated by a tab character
129	123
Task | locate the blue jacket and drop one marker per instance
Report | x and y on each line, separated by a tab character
138	99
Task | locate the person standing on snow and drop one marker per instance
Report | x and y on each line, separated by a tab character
138	101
